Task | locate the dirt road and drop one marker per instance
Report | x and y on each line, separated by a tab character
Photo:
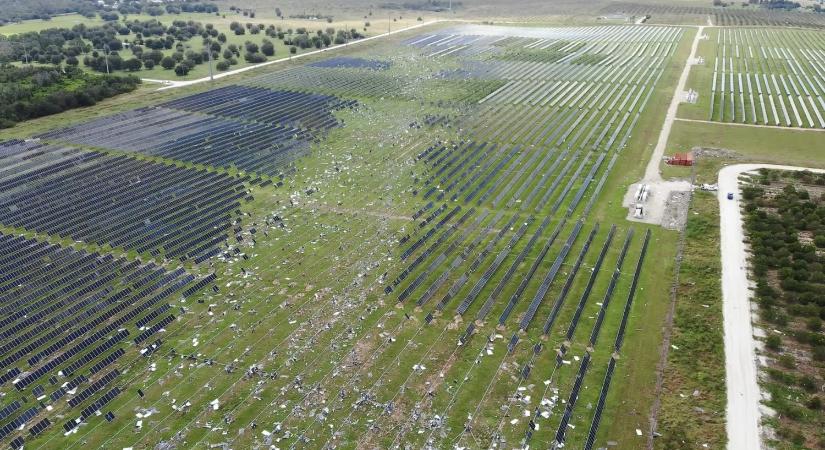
171	84
752	125
652	171
743	416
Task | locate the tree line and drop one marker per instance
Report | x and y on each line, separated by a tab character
16	10
133	45
36	91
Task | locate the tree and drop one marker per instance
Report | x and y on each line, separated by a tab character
72	61
109	16
149	64
132	65
167	62
240	31
156	56
267	48
222	38
251	47
181	70
254	57
222	65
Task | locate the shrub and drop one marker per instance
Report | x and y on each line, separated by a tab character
774	342
181	70
807	383
222	65
787	361
149	64
167	62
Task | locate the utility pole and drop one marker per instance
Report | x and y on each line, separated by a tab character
209	52
389	23
106	57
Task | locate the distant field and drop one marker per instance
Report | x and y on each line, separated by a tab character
64	21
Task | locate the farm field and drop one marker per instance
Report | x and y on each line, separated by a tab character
414	241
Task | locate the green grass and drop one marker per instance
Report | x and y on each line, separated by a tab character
63	21
693	398
771	145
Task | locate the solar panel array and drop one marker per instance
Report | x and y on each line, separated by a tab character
296	109
62	311
337	81
345	62
200	139
133	204
544	116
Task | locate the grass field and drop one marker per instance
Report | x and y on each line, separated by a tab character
62	21
771	145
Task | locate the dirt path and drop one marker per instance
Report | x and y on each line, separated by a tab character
171	84
665	204
652	171
752	125
743	416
